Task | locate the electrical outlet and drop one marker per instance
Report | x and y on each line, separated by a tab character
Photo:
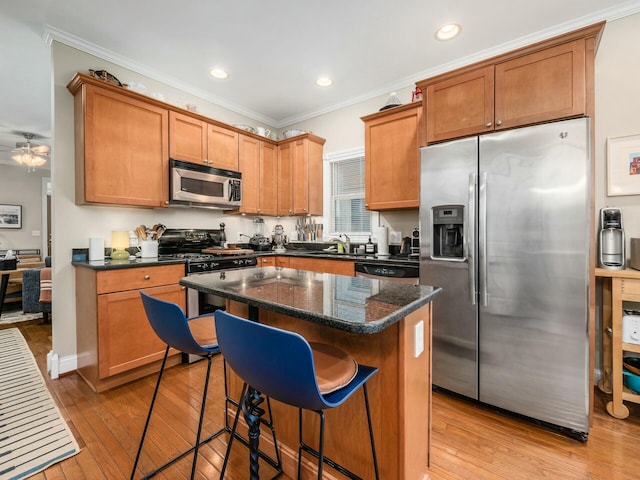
35	233
239	236
418	336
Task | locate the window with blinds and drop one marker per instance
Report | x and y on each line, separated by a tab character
348	214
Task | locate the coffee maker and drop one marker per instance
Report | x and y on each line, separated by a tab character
448	222
612	254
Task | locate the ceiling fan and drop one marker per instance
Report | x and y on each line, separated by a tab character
30	155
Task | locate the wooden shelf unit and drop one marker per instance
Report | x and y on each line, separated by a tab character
619	286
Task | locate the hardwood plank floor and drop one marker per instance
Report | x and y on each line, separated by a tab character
469	441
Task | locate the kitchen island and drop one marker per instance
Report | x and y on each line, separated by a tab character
382	324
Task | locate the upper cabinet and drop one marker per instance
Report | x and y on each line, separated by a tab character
259	168
121	146
542	82
392	164
187	138
123	142
305	153
223	147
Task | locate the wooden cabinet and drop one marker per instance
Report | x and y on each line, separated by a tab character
323	265
197	141
116	343
392	158
285	179
222	147
301	176
187	138
268	165
273	261
542	82
121	146
259	168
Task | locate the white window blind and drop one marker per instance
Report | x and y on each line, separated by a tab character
348	214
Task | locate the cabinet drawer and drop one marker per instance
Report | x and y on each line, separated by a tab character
630	286
136	278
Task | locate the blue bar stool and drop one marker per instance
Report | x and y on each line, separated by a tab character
172	326
283	365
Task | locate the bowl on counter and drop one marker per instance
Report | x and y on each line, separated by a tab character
292	133
632	364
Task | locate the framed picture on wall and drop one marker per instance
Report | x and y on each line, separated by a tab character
10	216
623	165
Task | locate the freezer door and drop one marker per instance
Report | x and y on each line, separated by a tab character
446	173
533	272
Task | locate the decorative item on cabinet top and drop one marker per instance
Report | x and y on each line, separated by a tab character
107	77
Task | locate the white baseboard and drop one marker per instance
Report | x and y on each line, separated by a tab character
56	366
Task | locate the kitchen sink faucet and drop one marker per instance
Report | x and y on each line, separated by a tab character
346	244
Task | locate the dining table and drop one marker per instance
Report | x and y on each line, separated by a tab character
380	323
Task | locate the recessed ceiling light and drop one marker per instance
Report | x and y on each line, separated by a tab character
448	31
218	73
324	81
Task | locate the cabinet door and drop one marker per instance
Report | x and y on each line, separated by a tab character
122	154
314	177
125	337
392	164
285	179
268	204
187	138
266	261
461	105
300	178
541	86
223	147
283	262
249	164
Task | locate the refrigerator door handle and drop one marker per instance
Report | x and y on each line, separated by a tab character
482	232
469	228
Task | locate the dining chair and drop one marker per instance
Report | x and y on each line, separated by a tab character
284	366
170	323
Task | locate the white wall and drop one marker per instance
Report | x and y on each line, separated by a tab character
19	187
617	109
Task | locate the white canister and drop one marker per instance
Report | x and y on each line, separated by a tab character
96	249
149	248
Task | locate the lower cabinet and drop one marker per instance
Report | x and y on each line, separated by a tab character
116	343
323	265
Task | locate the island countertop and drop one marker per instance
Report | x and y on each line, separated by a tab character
353	304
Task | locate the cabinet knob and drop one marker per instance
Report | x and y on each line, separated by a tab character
147	277
166	202
488	124
498	122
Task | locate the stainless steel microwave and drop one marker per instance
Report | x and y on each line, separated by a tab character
201	186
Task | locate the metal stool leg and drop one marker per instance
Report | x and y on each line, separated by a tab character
153	401
202	407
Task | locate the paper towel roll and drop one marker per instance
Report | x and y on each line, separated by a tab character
96	248
383	241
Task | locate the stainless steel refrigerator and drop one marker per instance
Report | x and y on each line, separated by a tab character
505	228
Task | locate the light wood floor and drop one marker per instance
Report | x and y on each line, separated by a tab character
469	442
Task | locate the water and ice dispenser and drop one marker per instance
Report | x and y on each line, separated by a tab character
448	232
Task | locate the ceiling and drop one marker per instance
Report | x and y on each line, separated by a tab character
273	50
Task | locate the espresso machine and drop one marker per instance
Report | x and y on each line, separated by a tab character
448	232
612	252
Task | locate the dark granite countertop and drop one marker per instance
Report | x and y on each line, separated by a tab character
108	264
354	304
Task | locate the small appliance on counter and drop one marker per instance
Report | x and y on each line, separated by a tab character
415	244
258	241
612	253
279	239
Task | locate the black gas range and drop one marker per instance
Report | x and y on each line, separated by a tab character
188	244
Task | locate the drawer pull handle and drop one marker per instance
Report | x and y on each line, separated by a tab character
147	277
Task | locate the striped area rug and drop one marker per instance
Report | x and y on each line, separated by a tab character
33	434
